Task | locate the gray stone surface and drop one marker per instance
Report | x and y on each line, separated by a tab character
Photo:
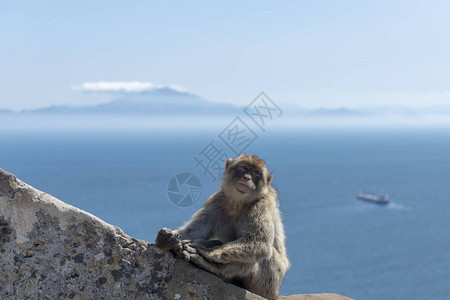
51	250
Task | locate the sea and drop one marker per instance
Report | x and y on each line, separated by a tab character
336	243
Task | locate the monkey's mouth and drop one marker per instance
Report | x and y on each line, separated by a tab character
243	187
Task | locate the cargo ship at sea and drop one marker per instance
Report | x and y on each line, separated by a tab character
383	199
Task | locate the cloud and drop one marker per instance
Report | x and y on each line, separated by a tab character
123	87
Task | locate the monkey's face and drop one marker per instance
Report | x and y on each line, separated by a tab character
246	175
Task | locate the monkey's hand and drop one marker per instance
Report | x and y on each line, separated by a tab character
169	240
214	254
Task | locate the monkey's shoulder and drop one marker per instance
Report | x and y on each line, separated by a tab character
215	198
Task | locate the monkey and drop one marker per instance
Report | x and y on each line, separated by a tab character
238	233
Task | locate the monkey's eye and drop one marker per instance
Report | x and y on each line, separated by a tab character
242	168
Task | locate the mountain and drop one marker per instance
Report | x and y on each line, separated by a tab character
5	111
170	102
342	112
338	112
163	101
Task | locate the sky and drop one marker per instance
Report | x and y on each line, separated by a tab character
307	53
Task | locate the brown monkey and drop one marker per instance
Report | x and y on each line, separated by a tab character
237	234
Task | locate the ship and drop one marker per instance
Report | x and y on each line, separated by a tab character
383	199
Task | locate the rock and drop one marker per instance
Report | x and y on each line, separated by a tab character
51	250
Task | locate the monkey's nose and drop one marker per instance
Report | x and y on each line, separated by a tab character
247	176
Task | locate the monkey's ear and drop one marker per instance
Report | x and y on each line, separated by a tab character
269	177
228	162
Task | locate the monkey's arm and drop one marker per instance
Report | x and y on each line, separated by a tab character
226	271
254	245
201	223
198	227
206	243
239	251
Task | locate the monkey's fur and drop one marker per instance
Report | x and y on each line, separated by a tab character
237	234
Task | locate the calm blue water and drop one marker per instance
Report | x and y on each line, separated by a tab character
336	243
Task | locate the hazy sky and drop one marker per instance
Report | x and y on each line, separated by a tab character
312	53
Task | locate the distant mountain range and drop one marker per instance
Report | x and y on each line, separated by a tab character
170	102
337	112
163	101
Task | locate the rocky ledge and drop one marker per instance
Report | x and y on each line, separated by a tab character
52	250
